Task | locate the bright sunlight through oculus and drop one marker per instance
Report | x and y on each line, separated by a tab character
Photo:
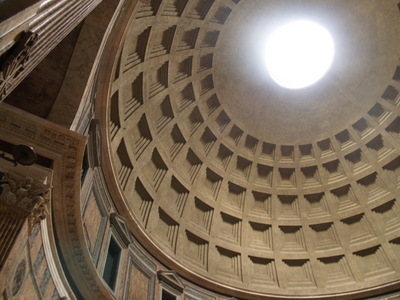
299	54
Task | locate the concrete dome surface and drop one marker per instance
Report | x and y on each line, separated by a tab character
243	185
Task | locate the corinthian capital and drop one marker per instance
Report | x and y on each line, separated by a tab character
26	194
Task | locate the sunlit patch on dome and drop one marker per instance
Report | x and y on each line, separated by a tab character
299	54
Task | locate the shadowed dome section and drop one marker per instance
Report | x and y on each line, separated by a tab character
236	188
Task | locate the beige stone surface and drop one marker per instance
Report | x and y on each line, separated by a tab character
362	33
241	185
243	188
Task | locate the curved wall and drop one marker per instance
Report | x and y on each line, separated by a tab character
179	176
227	206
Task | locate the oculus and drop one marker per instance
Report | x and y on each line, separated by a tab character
299	54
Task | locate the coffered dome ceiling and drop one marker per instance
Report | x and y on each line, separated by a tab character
243	184
367	53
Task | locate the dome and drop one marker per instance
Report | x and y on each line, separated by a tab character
169	163
243	186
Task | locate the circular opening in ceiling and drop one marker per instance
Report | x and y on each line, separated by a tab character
299	54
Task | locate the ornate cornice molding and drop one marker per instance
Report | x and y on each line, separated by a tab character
171	279
66	149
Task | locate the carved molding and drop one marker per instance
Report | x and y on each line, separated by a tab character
66	149
171	279
27	195
121	228
15	62
22	200
192	294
